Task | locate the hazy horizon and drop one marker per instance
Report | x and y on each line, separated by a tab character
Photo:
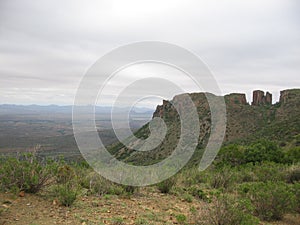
275	99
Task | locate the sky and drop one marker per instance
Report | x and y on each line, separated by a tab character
46	47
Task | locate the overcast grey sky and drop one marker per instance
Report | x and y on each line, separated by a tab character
47	46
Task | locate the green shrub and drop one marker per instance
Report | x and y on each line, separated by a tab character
141	221
181	218
260	151
294	175
199	193
263	150
223	177
231	155
292	155
166	185
296	190
265	171
65	173
271	200
26	173
129	189
246	173
191	176
67	185
226	210
270	171
187	197
100	186
66	193
117	221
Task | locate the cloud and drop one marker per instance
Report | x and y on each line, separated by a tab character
47	46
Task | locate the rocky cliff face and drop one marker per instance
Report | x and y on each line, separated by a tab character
160	109
259	98
287	96
236	99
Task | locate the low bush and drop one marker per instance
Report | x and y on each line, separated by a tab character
181	219
293	175
187	197
65	173
270	171
231	155
26	173
296	190
226	210
246	173
190	177
263	150
117	221
223	177
257	152
100	186
166	185
129	190
292	155
271	199
67	187
66	193
141	221
199	193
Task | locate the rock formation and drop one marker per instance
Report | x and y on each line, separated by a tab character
287	95
268	98
236	98
160	109
259	98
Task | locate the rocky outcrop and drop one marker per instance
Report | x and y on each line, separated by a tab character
268	99
288	95
259	98
181	101
236	98
159	112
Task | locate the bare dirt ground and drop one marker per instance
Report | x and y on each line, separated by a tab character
142	208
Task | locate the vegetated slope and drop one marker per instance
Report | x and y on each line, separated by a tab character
246	123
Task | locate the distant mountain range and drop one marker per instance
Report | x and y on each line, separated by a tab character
33	109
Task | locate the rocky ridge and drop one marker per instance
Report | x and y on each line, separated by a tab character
279	122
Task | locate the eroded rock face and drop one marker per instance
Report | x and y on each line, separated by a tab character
259	98
159	112
287	95
268	98
236	98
